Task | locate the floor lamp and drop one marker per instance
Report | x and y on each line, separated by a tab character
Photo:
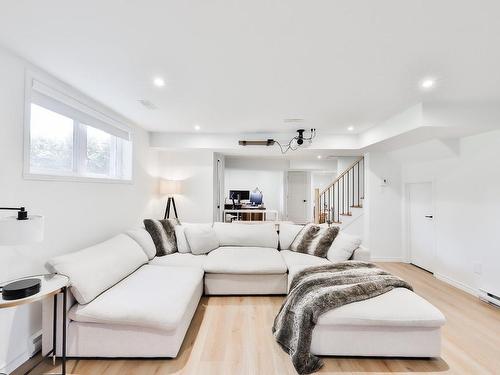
170	187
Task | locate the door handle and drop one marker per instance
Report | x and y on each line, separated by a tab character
305	200
429	216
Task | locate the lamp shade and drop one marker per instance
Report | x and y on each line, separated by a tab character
21	232
169	187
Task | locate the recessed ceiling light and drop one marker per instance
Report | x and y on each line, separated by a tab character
350	128
427	83
319	156
197	127
159	82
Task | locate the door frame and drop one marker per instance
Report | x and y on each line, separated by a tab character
406	221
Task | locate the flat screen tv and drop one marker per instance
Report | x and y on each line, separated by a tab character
239	195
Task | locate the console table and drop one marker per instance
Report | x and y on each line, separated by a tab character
51	286
251	212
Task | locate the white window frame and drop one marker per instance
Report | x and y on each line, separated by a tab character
74	99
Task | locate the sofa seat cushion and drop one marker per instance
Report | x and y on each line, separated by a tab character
292	258
245	260
180	260
153	296
399	307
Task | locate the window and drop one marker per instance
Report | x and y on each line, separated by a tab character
67	139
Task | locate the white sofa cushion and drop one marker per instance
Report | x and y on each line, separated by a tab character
152	296
288	232
95	269
245	260
293	258
343	247
398	307
182	243
201	238
143	238
252	235
180	260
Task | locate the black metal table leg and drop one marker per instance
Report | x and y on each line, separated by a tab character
65	301
54	331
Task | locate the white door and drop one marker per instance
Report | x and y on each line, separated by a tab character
298	197
421	225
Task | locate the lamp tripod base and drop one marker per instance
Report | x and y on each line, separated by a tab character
170	202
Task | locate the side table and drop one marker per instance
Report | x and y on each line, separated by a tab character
51	286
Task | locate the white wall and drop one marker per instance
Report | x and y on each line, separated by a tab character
269	182
194	168
467	210
382	207
77	214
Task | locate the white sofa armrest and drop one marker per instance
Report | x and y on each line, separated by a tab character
361	253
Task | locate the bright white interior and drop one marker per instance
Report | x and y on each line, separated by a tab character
211	73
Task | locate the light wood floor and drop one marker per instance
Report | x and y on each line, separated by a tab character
232	335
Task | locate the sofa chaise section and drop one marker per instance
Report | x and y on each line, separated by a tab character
398	323
123	307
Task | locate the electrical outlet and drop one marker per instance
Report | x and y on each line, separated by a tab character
477	267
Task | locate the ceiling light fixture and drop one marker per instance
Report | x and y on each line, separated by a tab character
159	82
197	127
350	128
427	83
319	156
293	144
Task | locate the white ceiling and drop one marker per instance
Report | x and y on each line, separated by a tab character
244	66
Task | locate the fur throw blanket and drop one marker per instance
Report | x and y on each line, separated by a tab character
316	290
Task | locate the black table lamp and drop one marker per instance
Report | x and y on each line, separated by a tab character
22	229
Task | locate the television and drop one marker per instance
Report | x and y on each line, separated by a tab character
239	195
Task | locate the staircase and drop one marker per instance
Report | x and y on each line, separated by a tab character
341	202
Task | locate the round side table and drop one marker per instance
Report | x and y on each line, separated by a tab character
51	286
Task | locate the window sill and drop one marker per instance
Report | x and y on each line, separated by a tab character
66	178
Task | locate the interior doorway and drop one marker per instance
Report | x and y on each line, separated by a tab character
421	234
298	196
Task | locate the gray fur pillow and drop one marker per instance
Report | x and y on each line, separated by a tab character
163	234
314	240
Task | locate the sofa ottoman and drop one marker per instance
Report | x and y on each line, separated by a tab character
398	323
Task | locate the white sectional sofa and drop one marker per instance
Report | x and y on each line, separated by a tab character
126	302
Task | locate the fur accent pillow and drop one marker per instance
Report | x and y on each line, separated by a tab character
163	234
314	240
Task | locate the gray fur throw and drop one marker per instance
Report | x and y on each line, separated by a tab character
163	234
316	290
314	240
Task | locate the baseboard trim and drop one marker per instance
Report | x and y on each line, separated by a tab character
457	284
15	363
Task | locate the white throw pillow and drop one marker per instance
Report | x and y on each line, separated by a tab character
143	238
288	232
248	235
201	238
182	244
342	247
97	268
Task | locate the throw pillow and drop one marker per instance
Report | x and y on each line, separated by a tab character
314	240
342	247
201	238
163	234
182	244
